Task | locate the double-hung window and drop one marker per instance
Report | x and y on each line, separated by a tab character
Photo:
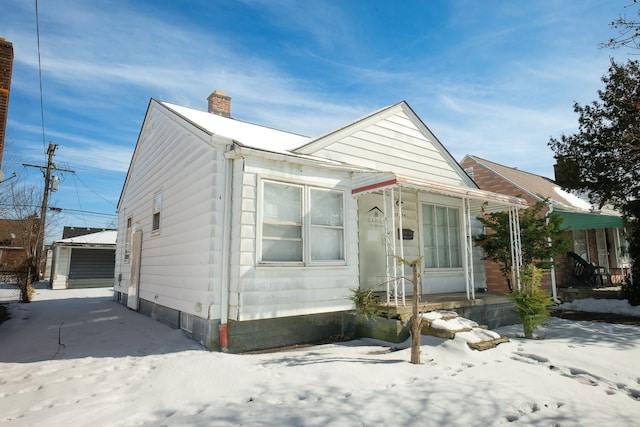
441	236
301	224
127	247
157	206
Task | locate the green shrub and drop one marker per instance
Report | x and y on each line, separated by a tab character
631	291
531	302
366	301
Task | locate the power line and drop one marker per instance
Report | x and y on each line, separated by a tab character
44	144
90	189
60	210
56	209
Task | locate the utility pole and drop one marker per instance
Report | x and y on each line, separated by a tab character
45	200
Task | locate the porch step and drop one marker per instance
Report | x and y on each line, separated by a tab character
447	324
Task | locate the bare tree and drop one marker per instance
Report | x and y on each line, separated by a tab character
20	203
416	315
628	30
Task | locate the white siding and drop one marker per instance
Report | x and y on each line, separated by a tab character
62	258
181	262
258	292
397	144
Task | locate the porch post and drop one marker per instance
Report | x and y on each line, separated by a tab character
554	291
471	284
386	241
401	236
516	248
393	247
468	258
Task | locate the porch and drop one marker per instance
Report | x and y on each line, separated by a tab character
573	293
488	309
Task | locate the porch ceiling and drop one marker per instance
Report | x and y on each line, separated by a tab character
480	201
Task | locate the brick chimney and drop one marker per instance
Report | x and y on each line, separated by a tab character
219	104
6	66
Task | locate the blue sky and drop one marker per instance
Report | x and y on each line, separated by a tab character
490	78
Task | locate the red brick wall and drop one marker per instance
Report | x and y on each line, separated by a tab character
490	181
6	66
219	104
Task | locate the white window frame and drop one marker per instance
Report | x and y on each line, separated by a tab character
157	211
461	254
129	234
306	225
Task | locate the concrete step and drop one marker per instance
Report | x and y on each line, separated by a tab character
447	324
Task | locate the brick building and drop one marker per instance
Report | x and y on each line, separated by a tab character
597	234
6	67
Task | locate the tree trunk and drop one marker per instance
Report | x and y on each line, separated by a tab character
416	319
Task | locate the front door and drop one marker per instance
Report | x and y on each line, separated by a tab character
603	250
373	262
136	252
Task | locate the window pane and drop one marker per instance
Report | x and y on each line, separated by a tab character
156	222
327	244
443	257
281	250
157	202
282	231
453	217
427	215
441	237
454	239
429	237
441	215
282	203
326	208
455	257
430	257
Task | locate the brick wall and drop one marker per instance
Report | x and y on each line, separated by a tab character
490	181
6	66
219	104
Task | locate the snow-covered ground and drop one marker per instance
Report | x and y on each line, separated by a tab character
76	358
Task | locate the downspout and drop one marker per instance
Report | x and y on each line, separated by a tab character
223	329
554	291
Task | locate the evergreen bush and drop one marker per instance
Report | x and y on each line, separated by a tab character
531	302
631	291
366	301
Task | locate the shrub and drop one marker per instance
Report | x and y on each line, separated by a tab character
366	302
531	302
631	291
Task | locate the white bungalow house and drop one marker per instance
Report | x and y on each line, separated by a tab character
249	237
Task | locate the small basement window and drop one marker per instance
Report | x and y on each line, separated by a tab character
186	322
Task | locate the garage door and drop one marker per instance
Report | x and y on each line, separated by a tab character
92	268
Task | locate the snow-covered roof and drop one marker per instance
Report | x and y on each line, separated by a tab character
107	237
537	185
247	134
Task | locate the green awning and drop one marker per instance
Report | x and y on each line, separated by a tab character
585	221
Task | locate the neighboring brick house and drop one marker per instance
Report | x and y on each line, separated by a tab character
13	252
597	234
6	66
